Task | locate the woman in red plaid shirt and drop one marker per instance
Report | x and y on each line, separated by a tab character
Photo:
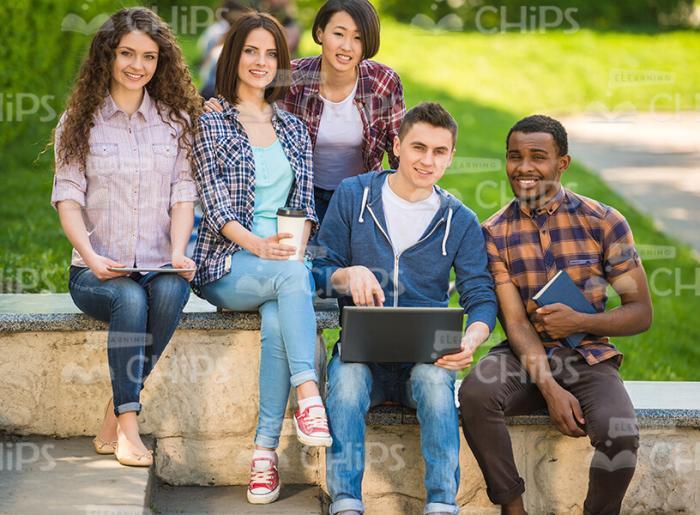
351	105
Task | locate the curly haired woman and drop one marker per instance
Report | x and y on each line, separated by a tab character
124	193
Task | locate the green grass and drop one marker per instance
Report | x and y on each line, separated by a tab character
487	82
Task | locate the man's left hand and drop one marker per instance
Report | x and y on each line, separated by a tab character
557	320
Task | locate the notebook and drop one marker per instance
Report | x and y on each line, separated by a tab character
562	289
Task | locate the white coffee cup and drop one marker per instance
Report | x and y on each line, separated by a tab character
291	220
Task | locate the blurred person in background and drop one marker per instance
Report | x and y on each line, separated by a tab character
211	42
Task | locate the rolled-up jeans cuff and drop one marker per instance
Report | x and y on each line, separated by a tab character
302	377
126	408
268	442
506	496
347	505
437	507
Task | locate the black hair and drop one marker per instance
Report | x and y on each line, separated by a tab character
542	123
431	113
363	14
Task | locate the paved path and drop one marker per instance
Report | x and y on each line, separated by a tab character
41	475
653	160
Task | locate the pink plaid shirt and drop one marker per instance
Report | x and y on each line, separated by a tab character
135	172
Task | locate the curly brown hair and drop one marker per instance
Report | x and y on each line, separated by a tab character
171	88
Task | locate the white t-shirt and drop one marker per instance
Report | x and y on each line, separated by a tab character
338	150
407	221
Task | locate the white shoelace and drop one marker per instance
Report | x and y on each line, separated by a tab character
262	471
316	419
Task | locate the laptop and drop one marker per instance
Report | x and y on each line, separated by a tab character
399	335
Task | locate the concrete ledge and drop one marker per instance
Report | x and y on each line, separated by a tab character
56	312
657	404
201	406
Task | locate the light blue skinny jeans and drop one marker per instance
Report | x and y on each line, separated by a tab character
283	293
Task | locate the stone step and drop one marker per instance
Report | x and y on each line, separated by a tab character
57	477
230	500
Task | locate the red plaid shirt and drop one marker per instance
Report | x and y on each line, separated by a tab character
591	241
379	98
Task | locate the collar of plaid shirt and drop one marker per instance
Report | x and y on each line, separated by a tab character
312	80
229	110
550	207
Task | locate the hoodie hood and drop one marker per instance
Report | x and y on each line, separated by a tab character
372	196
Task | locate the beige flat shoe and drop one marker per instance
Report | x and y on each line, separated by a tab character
134	460
104	447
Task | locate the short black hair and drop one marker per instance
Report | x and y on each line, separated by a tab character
431	113
542	123
362	13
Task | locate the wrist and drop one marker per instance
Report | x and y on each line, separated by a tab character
548	388
252	244
582	322
89	257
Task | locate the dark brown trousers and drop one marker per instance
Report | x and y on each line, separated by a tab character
499	386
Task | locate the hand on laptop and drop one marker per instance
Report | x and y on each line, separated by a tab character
364	287
476	334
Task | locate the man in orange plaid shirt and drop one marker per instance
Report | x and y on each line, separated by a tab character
544	229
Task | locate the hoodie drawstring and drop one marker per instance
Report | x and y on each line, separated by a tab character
447	232
364	203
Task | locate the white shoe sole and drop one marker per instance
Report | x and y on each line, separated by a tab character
311	441
264	499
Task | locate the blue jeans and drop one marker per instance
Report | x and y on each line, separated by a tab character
143	313
283	293
353	388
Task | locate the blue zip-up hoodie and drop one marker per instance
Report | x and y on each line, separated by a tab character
354	233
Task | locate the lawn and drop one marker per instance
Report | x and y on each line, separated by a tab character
487	82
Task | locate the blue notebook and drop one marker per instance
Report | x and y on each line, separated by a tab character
562	289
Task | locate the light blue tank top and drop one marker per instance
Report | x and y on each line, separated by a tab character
273	182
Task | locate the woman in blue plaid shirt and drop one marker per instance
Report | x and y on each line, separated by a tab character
251	159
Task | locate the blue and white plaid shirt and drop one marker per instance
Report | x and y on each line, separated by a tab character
225	175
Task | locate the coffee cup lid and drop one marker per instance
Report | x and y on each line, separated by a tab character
290	211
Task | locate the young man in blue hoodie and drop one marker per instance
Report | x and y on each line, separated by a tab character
391	238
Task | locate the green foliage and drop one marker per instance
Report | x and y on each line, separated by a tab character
40	53
486	81
598	14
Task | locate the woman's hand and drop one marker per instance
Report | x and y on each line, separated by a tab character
271	248
212	105
99	266
182	261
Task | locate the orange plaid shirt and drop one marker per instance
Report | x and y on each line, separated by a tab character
591	241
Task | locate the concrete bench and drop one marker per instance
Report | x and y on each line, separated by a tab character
201	409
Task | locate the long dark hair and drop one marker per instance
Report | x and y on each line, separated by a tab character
227	68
